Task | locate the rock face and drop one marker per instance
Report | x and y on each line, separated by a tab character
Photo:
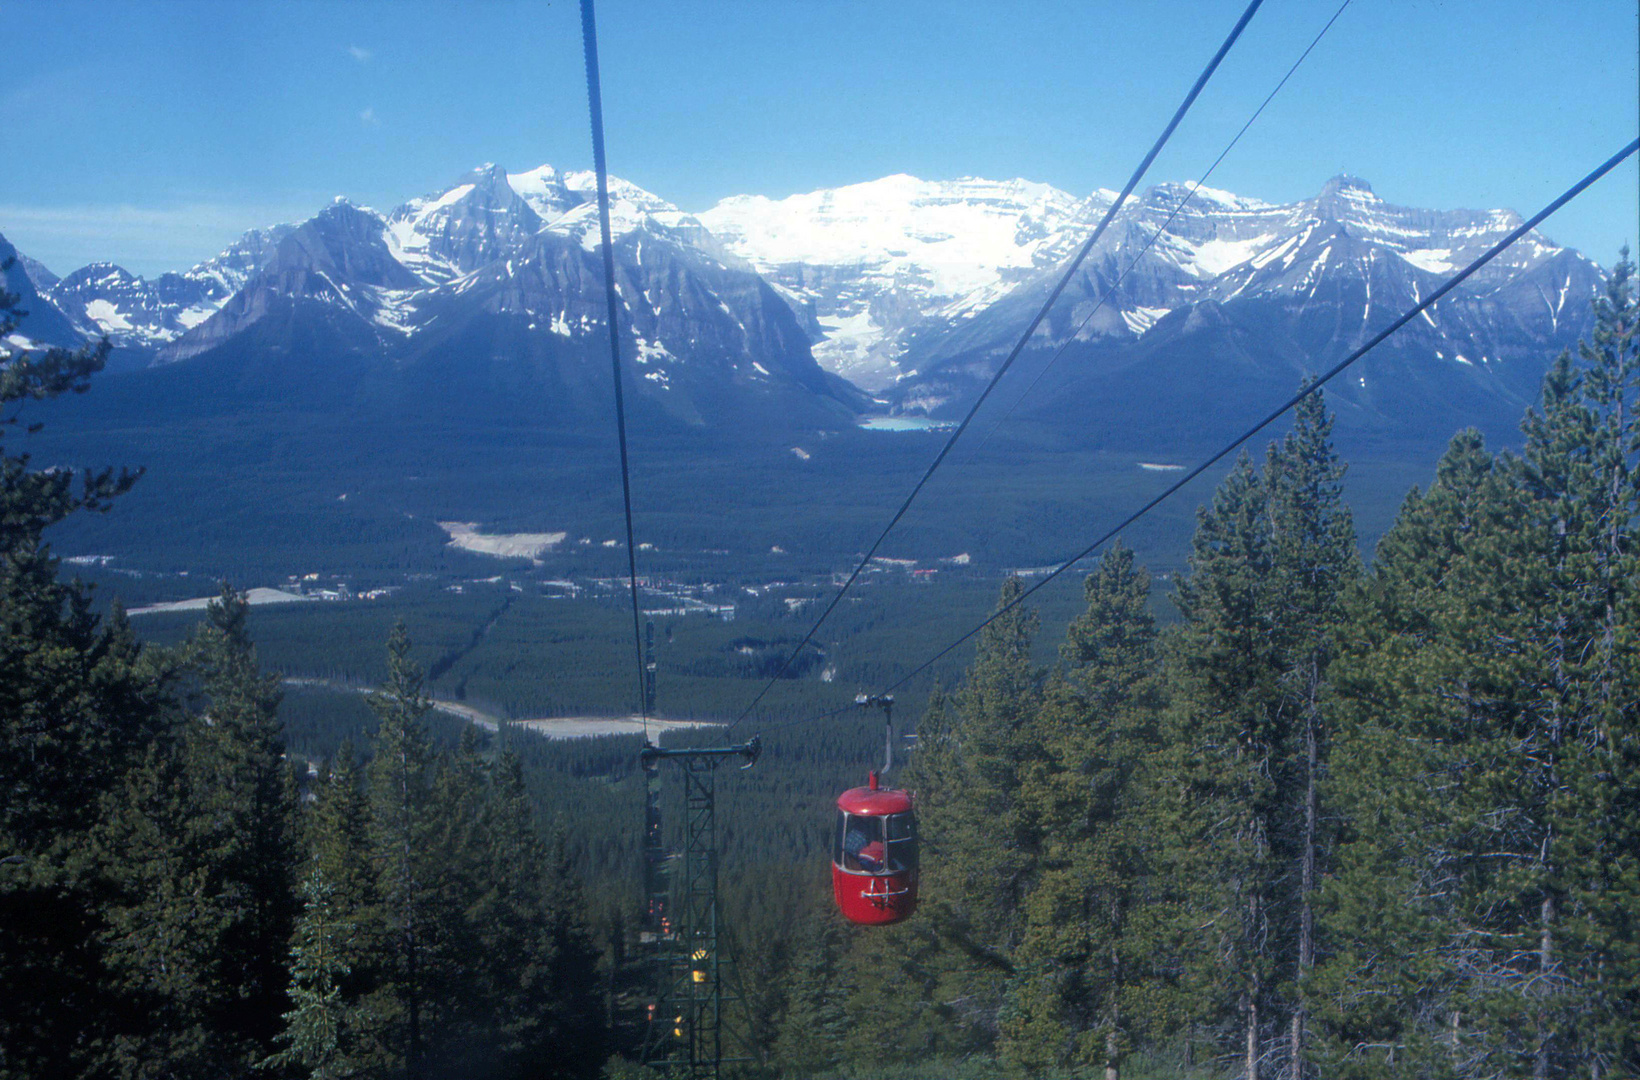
495	288
915	290
143	316
478	221
41	321
339	260
1275	292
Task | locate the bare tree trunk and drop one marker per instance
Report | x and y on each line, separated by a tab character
1546	959
1113	1066
412	947
1307	860
1252	1030
1615	518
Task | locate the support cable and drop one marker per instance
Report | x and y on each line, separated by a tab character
1157	235
1275	414
589	42
1064	280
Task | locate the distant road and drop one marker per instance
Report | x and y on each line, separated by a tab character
551	727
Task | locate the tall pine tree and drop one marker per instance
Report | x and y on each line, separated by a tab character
1247	737
402	831
1491	702
201	855
1078	967
78	709
982	840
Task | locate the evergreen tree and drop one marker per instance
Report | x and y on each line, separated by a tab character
1313	561
1572	565
1248	735
514	923
461	1011
909	997
574	1041
1077	967
162	918
981	840
1220	744
78	708
338	836
1487	691
1393	907
813	1030
336	951
1582	460
243	823
200	856
401	843
541	984
315	1025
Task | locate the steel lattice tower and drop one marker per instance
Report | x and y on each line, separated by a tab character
694	983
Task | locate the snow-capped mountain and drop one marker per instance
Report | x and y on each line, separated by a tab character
102	299
40	322
875	261
916	285
1306	281
497	282
913	289
471	225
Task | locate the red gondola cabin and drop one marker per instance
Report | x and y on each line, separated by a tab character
874	855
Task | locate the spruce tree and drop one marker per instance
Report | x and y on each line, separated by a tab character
78	708
162	918
1489	699
316	1024
401	835
574	1041
1577	473
513	921
461	1010
1393	909
336	955
243	822
200	854
1078	968
813	1029
1248	736
1216	792
981	840
1313	560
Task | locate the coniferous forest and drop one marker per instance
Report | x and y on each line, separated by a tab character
1339	818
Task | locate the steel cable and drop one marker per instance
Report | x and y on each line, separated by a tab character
1064	280
1377	339
589	42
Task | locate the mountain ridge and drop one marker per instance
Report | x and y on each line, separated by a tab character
911	289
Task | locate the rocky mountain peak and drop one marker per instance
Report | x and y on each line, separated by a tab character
343	243
545	190
1349	187
37	272
41	320
482	218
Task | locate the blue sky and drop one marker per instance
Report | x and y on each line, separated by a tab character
151	134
